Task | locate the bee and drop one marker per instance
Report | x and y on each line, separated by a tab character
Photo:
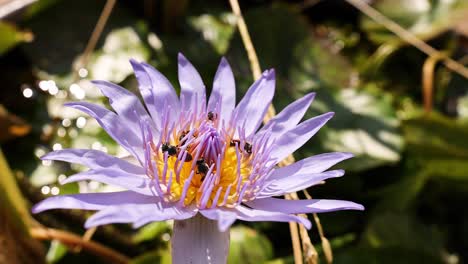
247	145
181	137
233	142
212	116
174	151
171	150
202	167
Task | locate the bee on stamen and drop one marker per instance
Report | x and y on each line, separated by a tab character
171	150
181	137
233	142
202	167
212	116
188	157
248	147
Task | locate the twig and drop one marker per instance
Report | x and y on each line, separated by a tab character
73	240
428	81
86	237
107	10
254	64
296	243
408	36
325	243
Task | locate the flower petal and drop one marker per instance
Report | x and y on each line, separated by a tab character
114	126
126	104
224	91
92	201
224	217
129	181
157	92
296	182
302	206
298	136
307	166
288	118
93	159
191	84
253	215
252	108
173	212
137	214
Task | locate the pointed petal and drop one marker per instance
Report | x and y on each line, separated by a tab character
225	218
307	166
303	206
129	181
254	215
296	183
135	214
158	92
253	107
224	91
93	159
92	201
288	118
298	136
145	86
126	104
191	84
116	127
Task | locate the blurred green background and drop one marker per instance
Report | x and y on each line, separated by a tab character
411	164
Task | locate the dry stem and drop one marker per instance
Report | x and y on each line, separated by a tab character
408	36
73	240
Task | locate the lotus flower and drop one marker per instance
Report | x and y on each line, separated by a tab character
209	162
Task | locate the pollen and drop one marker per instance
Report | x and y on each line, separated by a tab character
202	166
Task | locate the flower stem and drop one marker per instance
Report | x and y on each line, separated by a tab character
198	240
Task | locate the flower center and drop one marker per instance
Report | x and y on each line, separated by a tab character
202	165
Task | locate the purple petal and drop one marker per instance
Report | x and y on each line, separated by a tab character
137	214
126	104
288	118
224	217
93	159
303	206
174	212
296	183
157	92
298	136
224	91
92	201
191	84
253	215
129	181
253	107
314	164
114	126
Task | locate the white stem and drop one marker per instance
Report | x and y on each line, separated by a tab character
197	240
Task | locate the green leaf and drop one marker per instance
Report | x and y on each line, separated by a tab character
216	29
112	61
364	124
424	18
151	231
56	251
248	246
10	36
403	231
156	257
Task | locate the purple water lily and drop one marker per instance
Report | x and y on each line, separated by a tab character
196	157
